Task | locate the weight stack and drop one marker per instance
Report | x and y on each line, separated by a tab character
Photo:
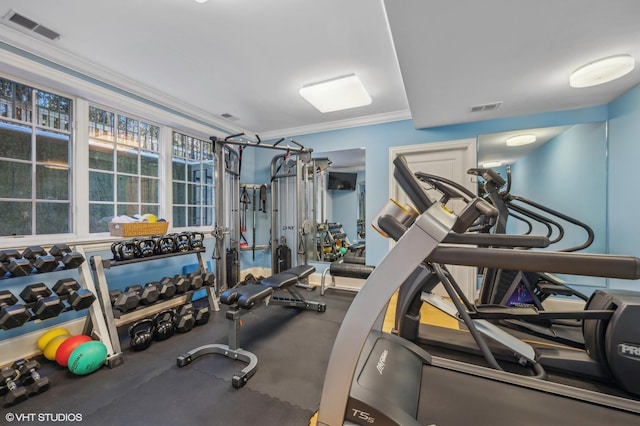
283	256
233	271
616	342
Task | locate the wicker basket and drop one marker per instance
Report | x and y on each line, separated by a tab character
138	229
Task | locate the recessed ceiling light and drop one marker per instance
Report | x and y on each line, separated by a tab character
201	1
491	164
521	140
602	71
336	94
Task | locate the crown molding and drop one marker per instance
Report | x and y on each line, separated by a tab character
337	125
83	78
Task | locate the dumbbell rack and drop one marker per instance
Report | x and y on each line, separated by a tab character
113	320
95	313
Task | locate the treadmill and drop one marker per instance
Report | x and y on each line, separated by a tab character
376	378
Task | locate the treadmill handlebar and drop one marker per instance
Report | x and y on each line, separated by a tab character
594	265
394	229
410	185
498	240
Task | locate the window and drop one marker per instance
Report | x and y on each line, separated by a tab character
192	172
35	152
123	167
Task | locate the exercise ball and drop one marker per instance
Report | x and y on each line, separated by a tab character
87	357
50	350
68	346
49	335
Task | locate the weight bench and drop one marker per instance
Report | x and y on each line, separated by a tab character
240	300
286	282
347	270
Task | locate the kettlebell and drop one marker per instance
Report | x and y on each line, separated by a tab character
163	325
145	247
115	249
167	245
157	239
183	242
197	240
126	250
141	333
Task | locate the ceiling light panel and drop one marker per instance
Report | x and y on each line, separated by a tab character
519	140
602	71
336	94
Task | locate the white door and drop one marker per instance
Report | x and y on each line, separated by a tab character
450	160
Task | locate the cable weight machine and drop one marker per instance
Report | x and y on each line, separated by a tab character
292	209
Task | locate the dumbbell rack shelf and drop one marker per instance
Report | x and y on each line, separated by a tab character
58	269
114	319
109	263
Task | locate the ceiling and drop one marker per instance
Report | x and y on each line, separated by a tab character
429	60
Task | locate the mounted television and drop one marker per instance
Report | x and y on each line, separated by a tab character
342	181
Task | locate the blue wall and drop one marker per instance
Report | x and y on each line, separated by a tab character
569	174
380	137
624	176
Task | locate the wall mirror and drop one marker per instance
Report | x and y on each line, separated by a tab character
340	214
563	168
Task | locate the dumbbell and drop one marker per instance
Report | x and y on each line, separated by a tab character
124	301
45	304
182	284
201	315
14	263
166	288
39	258
208	279
3	270
14	393
77	297
148	294
184	319
196	281
69	258
11	315
31	379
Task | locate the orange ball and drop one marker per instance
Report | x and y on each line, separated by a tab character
66	347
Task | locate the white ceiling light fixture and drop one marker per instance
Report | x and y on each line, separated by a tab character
201	1
336	94
491	164
602	71
519	140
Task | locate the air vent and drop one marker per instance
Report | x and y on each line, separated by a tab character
229	116
22	21
30	25
486	107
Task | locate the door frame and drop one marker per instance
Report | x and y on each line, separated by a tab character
470	158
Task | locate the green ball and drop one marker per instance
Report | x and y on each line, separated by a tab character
343	250
87	357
